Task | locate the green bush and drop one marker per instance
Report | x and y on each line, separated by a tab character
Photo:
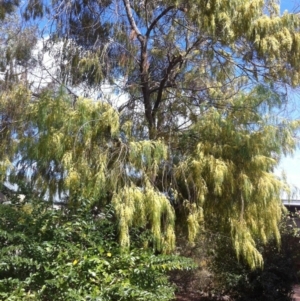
49	254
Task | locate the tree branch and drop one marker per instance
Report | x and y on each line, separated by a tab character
172	64
164	12
132	22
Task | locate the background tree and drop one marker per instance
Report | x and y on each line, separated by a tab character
17	41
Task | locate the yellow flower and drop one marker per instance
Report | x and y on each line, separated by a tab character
75	262
108	254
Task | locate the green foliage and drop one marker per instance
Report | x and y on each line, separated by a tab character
227	173
79	151
17	43
13	104
173	56
49	254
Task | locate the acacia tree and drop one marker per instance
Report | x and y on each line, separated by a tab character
224	178
192	141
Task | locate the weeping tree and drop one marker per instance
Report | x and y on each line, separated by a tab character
196	140
217	174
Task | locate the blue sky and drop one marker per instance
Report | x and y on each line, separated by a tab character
288	4
291	164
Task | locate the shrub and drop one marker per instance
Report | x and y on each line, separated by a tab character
66	255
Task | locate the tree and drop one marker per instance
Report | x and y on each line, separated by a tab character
173	57
194	140
224	175
17	42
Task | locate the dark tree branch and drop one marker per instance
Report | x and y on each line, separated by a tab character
163	13
171	66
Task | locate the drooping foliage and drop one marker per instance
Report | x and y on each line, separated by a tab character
17	42
229	174
79	152
274	281
225	174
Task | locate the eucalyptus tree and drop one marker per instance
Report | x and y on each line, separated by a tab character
17	44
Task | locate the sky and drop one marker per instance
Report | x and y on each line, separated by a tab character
289	5
291	165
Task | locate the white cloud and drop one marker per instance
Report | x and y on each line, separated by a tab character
290	166
44	72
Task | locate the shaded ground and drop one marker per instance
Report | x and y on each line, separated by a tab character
198	297
188	297
195	297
